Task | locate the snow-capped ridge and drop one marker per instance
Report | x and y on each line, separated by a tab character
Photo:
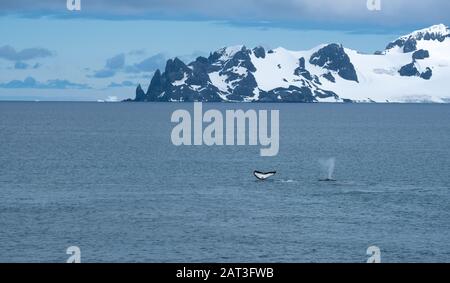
439	30
228	52
414	68
408	43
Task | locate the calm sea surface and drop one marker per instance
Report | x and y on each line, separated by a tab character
106	178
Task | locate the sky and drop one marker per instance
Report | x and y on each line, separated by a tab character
108	47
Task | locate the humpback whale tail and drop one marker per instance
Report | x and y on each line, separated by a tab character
263	175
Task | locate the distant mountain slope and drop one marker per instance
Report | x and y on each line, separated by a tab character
414	68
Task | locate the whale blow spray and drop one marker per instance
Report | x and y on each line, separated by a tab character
328	166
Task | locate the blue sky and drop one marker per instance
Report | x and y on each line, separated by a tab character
107	48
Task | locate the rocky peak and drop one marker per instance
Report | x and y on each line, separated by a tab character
334	58
259	52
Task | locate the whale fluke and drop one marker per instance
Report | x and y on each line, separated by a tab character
263	176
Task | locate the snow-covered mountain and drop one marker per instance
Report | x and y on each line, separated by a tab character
414	68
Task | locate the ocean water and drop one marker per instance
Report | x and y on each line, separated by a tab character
106	178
